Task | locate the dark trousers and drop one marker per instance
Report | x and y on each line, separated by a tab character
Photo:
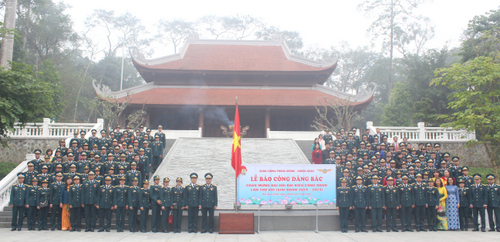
144	219
431	217
120	217
132	219
210	212
406	218
155	217
31	217
360	216
344	217
17	217
177	219
391	219
492	222
156	163
376	215
164	218
476	211
104	215
75	214
90	215
193	218
42	217
55	216
463	214
420	217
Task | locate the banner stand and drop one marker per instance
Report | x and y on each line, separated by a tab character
258	220
317	231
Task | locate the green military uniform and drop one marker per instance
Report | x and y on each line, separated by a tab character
55	198
31	201
144	203
43	196
178	204
407	201
359	204
90	192
133	205
75	201
166	204
120	201
344	203
154	193
157	150
391	203
420	196
17	201
105	197
493	194
162	136
433	202
463	211
479	199
375	198
192	201
133	174
208	203
29	175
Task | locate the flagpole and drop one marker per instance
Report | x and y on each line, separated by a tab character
236	180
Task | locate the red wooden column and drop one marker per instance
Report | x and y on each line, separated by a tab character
201	117
268	119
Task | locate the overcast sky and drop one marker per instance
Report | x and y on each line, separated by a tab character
320	23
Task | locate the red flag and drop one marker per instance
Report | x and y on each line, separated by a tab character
236	150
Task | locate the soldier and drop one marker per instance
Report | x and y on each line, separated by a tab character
157	150
62	147
55	197
208	203
68	164
98	178
433	205
37	161
110	163
43	206
133	173
177	204
463	210
162	135
455	168
192	202
105	205
31	203
154	192
166	203
44	175
82	140
468	179
391	204
74	149
344	204
133	204
89	191
479	201
144	203
94	140
406	203
420	196
359	204
31	173
45	163
493	193
75	202
17	202
375	198
120	202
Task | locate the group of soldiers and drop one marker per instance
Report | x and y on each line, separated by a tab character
99	198
376	176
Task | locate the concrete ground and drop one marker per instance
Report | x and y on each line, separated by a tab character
7	235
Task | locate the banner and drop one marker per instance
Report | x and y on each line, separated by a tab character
287	184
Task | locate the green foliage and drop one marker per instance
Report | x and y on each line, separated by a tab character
108	71
5	168
482	36
482	171
398	111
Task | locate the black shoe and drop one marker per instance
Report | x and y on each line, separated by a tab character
395	230
143	231
13	229
374	230
379	230
498	230
409	230
388	230
466	229
108	230
92	230
475	230
357	230
19	229
52	229
213	232
491	230
423	230
483	230
101	230
203	231
462	229
364	230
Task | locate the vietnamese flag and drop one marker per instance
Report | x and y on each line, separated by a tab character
236	150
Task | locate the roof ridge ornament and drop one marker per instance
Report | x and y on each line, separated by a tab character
137	54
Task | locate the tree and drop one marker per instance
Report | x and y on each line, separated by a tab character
292	38
476	101
334	114
175	32
392	17
482	36
7	45
108	70
230	27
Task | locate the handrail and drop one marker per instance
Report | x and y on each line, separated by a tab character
7	182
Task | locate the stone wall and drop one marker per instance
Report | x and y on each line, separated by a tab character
17	149
473	156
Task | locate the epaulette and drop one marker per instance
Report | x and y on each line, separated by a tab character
370	185
214	185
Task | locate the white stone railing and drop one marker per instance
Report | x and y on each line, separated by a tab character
295	135
422	133
175	134
10	179
51	130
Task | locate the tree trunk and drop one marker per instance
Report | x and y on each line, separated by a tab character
7	46
391	57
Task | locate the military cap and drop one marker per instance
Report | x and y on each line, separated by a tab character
133	163
338	145
374	177
350	134
123	156
58	156
362	143
121	168
45	167
455	158
409	157
392	162
411	168
428	145
390	179
465	168
114	140
490	176
70	154
30	164
46	157
360	159
359	168
135	141
437	145
145	182
398	172
94	131
156	177
37	151
111	168
130	146
103	131
368	144
421	156
103	148
62	141
111	133
375	170
370	164
446	154
108	178
344	143
76	178
94	146
117	126
430	161
391	145
145	142
405	177
374	157
74	142
59	174
382	160
193	175
348	163
477	176
20	176
403	163
45	181
59	166
34	179
91	153
117	147
208	176
109	155
417	161
179	179
343	180
91	173
141	149
142	126
443	162
359	178
332	152
419	175
346	170
413	149
72	166
159	126
381	144
426	173
461	180
97	169
83	132
338	158
349	155
135	179
123	178
85	144
97	156
124	144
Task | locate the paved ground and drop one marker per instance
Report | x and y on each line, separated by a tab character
7	235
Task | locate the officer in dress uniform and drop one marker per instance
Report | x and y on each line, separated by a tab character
31	203
144	204
359	204
391	204
120	202
157	149
469	181
55	197
43	206
17	202
162	135
407	204
133	173
75	202
105	204
90	191
45	163
192	202
463	210
493	194
208	204
479	201
177	204
166	203
433	204
133	204
154	192
31	173
375	198
344	204
420	196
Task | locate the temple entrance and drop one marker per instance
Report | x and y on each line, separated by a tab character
252	117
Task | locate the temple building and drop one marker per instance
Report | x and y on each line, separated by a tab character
197	87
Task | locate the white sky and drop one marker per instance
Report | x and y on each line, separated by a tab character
320	23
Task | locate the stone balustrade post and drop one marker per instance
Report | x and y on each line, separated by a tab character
45	127
421	129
